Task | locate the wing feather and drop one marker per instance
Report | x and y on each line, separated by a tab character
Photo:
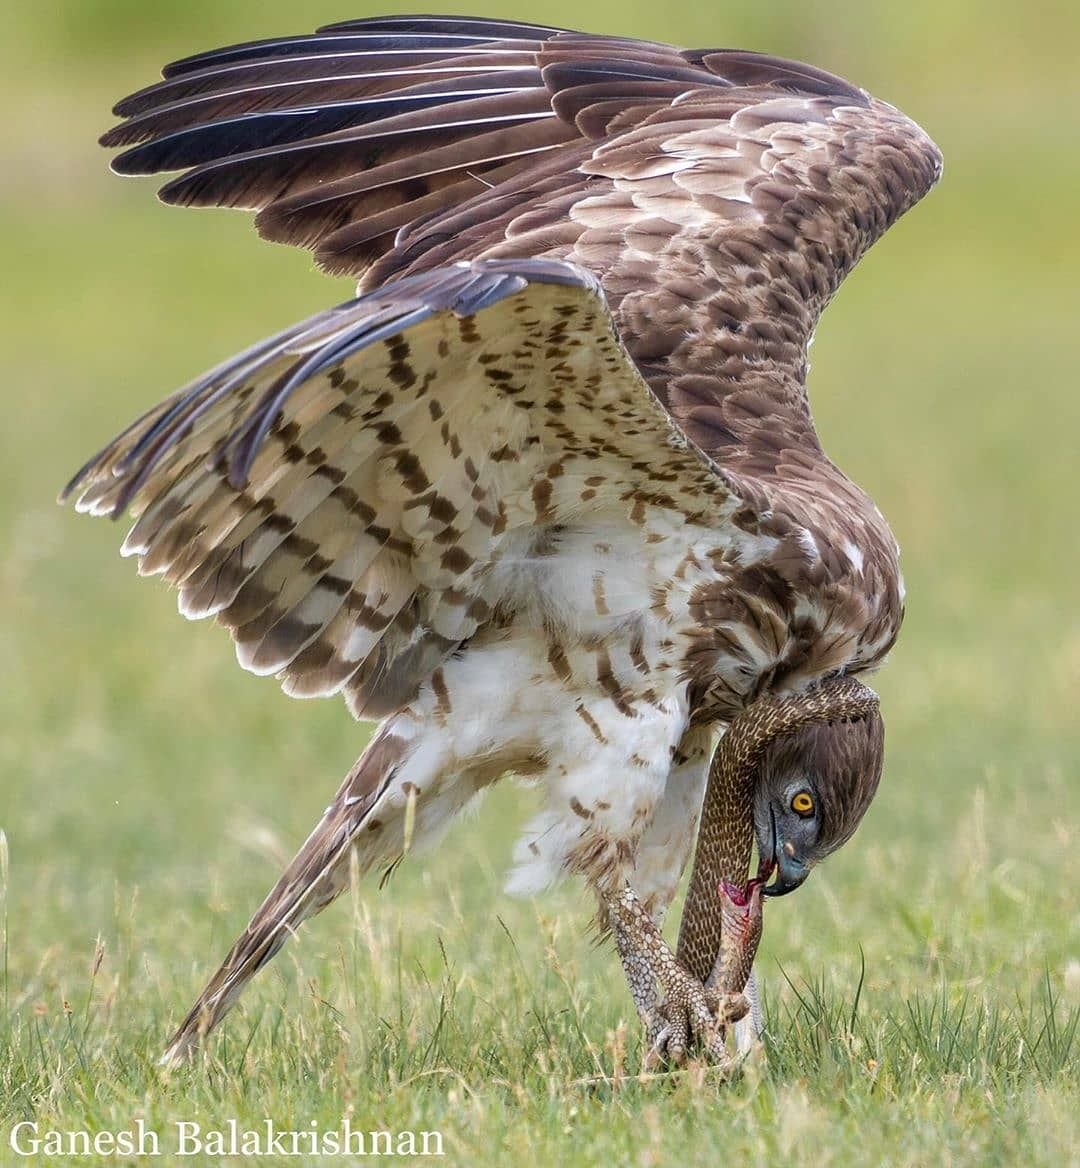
337	497
394	145
553	230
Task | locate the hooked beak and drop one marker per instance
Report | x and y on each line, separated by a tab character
780	857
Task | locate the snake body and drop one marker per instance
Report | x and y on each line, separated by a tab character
722	918
740	931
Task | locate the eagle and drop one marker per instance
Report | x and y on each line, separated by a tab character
546	497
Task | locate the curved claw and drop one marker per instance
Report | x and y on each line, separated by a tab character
692	1018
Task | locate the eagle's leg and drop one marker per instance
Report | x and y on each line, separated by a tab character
659	861
689	1012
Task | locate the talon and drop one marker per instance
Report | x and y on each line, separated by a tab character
679	1044
656	1049
692	1016
732	1007
716	1050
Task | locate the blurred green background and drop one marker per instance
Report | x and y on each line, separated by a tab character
149	788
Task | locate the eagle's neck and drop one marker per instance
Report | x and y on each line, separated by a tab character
808	579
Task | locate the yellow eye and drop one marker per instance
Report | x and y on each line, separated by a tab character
803	804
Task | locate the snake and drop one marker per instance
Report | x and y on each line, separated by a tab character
722	922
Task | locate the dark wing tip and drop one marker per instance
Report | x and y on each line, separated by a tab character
73	484
325	40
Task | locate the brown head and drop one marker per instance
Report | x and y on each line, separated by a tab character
798	770
814	785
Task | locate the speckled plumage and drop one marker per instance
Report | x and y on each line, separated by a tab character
547	496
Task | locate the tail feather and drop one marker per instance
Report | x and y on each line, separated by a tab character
316	876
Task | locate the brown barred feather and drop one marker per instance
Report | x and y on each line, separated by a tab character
385	480
246	120
383	72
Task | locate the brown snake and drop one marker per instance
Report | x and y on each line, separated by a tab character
721	923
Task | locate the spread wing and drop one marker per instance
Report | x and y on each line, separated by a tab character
720	196
340	496
593	245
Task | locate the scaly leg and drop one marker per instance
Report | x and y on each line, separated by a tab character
748	1030
689	1012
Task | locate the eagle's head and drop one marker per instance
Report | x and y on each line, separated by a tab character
814	786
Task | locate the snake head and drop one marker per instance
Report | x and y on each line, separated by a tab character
741	910
814	786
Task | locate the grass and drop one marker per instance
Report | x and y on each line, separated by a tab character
922	991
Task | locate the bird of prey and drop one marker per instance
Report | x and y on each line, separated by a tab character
546	497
